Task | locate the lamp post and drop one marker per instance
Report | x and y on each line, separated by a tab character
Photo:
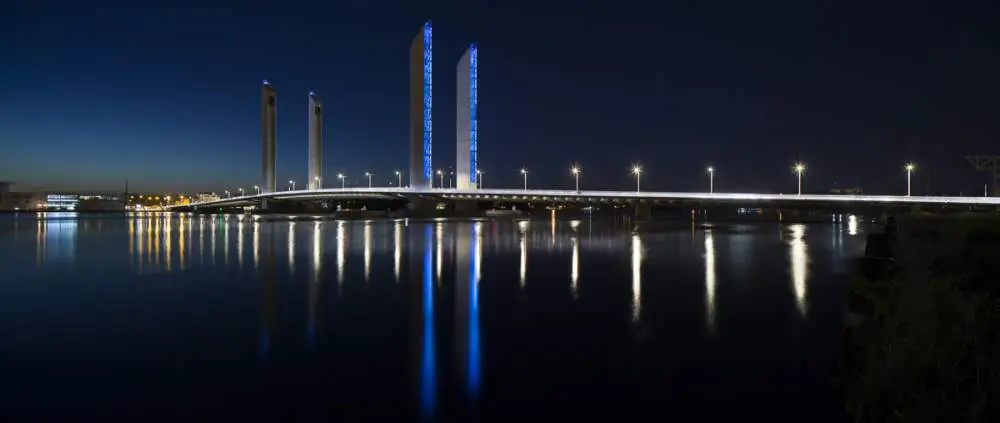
241	192
910	167
319	182
399	178
291	185
711	179
228	195
637	171
257	187
576	174
799	168
369	175
479	179
441	178
524	172
343	180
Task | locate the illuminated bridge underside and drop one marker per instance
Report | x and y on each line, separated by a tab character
561	196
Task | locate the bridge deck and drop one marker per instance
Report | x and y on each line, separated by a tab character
542	195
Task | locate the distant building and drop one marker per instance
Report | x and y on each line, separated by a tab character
14	201
100	203
208	197
61	202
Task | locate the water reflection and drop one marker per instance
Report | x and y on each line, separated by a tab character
799	266
167	243
239	242
181	247
636	276
315	282
852	225
475	366
341	252
317	249
574	266
225	240
267	277
428	370
212	236
55	238
256	243
438	246
368	250
131	242
468	262
397	248
201	242
524	260
291	248
710	281
154	242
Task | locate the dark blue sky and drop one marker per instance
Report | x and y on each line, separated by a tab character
167	92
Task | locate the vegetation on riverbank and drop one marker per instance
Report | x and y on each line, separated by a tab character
927	348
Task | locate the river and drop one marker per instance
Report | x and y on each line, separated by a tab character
166	316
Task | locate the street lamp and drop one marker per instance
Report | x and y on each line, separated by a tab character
343	180
524	172
575	170
441	177
399	178
910	167
319	182
637	171
799	168
369	175
241	192
711	179
291	185
479	179
228	195
257	187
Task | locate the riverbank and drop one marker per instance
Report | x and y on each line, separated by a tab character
922	344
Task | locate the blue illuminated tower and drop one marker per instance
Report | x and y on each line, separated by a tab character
466	123
421	172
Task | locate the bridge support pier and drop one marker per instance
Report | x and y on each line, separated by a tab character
418	207
643	211
466	208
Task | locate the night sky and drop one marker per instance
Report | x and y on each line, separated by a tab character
167	93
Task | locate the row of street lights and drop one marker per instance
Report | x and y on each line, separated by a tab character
575	170
799	168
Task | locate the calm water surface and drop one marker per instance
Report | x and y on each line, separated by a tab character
171	317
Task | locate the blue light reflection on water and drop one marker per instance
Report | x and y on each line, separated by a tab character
428	385
475	366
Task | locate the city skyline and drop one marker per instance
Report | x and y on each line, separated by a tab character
180	116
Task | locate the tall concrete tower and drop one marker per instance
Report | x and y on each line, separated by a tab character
466	124
421	168
315	142
268	124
